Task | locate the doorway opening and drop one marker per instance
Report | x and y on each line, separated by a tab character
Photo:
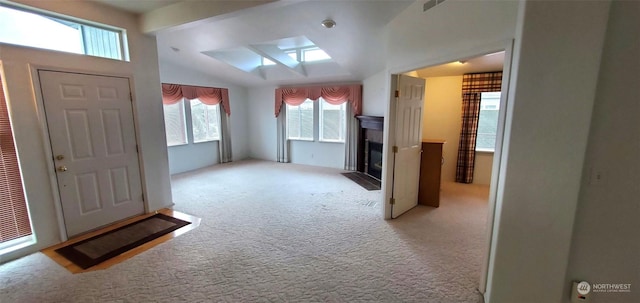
444	82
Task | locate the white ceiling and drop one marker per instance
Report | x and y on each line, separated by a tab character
138	6
486	63
356	44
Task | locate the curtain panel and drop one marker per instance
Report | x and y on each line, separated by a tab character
335	95
173	93
473	85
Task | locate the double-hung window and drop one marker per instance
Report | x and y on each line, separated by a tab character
300	121
302	125
488	121
332	121
175	124
205	121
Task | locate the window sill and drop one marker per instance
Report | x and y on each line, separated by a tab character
485	151
180	144
207	141
330	141
303	140
16	244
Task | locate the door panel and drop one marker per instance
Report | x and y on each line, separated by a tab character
408	138
91	129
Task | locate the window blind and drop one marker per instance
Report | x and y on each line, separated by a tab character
14	217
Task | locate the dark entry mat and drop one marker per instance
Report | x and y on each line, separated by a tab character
100	248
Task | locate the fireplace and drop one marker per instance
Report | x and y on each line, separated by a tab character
370	146
374	159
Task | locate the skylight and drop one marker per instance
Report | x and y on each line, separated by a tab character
273	58
314	54
266	62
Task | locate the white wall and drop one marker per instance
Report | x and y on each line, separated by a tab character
27	122
447	32
263	138
374	97
606	246
556	60
262	123
317	153
197	155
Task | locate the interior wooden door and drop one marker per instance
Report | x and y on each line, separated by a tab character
92	135
407	147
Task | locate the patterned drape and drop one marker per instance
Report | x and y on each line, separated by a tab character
173	93
473	85
335	95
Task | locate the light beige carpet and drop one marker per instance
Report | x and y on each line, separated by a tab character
283	233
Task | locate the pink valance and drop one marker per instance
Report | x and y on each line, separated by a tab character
173	93
335	95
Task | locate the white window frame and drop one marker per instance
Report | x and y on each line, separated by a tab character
288	108
342	130
122	46
304	54
216	116
181	107
496	95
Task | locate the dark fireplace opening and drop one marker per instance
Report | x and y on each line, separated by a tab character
374	160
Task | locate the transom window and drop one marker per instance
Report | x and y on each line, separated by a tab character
488	121
22	26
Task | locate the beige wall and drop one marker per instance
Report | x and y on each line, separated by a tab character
27	119
441	120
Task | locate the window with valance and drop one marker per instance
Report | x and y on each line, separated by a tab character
209	112
335	106
334	95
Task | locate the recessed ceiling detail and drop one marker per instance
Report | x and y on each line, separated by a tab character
272	59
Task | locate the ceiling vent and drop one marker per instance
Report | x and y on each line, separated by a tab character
430	4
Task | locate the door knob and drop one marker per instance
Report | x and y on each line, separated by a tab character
62	168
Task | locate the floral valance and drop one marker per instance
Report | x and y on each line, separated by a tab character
335	95
173	93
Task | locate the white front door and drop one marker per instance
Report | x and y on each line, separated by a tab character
91	129
408	143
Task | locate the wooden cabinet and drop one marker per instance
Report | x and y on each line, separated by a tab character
430	171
